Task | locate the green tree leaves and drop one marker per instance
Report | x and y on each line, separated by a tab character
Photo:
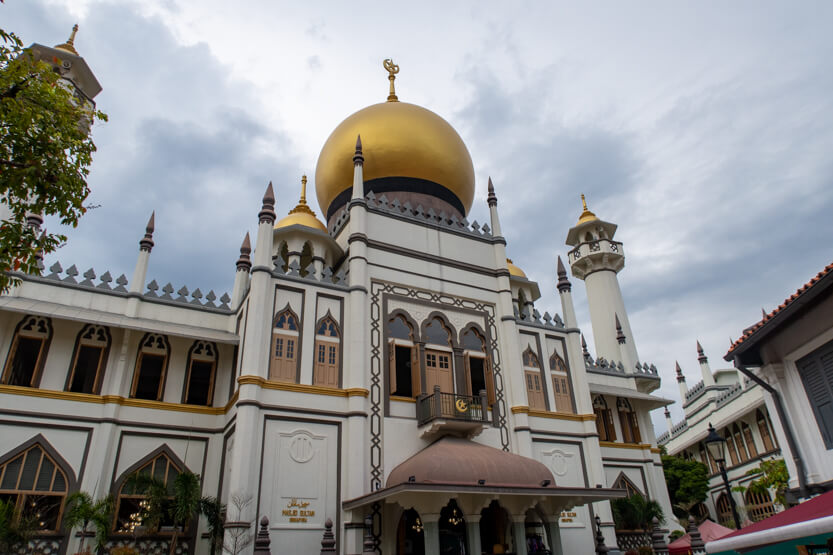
687	481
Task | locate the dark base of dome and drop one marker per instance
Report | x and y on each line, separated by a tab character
406	189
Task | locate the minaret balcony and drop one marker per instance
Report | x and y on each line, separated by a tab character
441	413
594	255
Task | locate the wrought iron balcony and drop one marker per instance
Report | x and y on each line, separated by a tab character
450	412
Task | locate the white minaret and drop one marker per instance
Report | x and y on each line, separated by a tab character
668	421
596	259
681	382
241	278
705	369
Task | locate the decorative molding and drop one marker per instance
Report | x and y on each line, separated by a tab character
302	388
523	409
625	445
402	399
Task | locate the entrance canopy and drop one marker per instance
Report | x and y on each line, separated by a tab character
477	474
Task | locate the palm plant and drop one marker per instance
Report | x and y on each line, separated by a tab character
15	528
82	511
214	512
636	513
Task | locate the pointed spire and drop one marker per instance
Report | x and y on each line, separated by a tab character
763	313
69	45
564	284
146	242
620	335
267	211
584	350
680	377
245	261
492	198
586	215
701	356
667	413
393	69
358	157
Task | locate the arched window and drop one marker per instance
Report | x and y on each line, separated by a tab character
724	511
628	421
306	260
730	445
750	441
129	506
604	419
438	353
758	505
403	358
283	363
89	360
199	382
27	354
623	482
765	431
478	370
742	453
700	512
35	484
410	536
706	458
534	384
561	384
327	342
151	366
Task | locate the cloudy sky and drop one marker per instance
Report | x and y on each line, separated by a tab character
704	129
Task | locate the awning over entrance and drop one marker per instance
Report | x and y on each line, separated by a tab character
456	467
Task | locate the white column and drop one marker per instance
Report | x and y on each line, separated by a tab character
473	534
137	284
555	537
241	277
519	533
432	533
708	377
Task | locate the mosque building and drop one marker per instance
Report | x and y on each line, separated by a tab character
384	367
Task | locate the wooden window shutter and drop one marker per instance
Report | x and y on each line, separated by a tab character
816	372
392	366
490	381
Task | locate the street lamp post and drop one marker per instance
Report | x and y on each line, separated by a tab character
717	449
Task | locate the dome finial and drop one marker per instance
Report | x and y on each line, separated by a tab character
393	69
586	215
69	45
303	190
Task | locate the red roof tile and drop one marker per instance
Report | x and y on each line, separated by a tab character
752	330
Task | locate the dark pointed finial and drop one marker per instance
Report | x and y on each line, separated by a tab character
701	355
492	198
564	285
267	211
601	548
584	350
245	261
262	540
358	157
667	413
146	242
763	313
328	542
680	377
620	335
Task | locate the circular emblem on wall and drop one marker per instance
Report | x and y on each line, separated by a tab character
461	405
559	463
301	449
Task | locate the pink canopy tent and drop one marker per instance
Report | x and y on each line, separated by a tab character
709	531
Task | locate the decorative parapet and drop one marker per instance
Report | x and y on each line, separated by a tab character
592	247
727	395
694	392
103	283
679	428
663	438
294	270
603	366
534	319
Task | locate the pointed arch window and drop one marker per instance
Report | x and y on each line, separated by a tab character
283	362
706	458
439	370
724	511
561	384
403	358
604	419
750	441
89	360
758	505
129	503
730	445
27	354
765	431
202	367
743	455
478	370
151	367
534	383
628	421
623	482
35	484
327	352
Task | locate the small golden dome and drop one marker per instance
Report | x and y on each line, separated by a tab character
398	140
514	270
301	214
69	45
586	215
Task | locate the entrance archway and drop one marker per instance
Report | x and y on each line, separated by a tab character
494	530
452	528
410	537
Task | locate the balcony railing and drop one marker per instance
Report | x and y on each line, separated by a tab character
451	406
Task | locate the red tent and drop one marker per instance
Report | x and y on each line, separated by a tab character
709	531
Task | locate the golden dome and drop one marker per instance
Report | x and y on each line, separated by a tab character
586	215
514	270
301	214
398	140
